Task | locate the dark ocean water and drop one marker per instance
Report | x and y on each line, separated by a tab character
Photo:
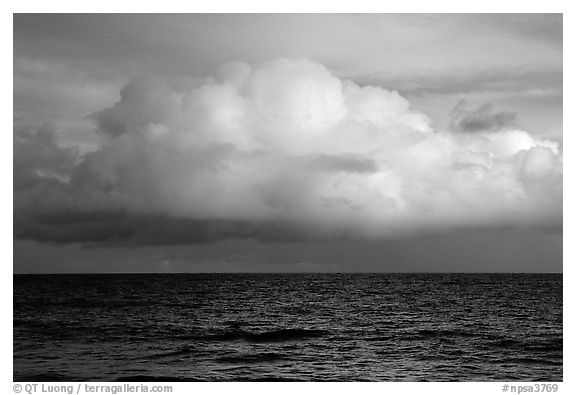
270	327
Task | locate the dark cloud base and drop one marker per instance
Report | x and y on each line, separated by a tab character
115	228
481	119
125	230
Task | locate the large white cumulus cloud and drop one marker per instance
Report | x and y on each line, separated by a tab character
288	141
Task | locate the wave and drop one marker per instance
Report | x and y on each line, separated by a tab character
285	335
146	378
279	335
554	345
253	358
542	346
531	361
274	379
47	377
180	352
429	333
16	322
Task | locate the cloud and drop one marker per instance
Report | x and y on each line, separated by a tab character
511	80
286	144
39	163
112	228
481	119
545	27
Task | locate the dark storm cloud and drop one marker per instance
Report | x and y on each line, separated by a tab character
493	250
121	229
481	119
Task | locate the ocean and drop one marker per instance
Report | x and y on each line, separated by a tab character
288	327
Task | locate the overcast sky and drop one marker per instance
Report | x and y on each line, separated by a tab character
287	143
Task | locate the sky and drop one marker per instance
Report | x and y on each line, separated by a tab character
288	143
